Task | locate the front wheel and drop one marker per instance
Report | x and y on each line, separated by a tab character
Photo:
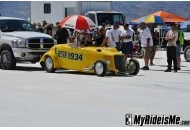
100	68
187	53
133	67
48	65
8	61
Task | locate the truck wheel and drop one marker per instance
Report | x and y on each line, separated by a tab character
187	53
48	65
100	68
8	61
133	67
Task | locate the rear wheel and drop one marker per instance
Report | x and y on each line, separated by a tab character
8	61
48	65
187	53
100	68
133	67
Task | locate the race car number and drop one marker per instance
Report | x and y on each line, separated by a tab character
75	56
68	55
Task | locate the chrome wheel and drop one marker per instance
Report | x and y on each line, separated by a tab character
49	63
131	67
5	60
99	68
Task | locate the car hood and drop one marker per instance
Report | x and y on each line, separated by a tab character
27	35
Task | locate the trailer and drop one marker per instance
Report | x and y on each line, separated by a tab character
54	11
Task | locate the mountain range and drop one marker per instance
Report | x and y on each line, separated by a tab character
131	9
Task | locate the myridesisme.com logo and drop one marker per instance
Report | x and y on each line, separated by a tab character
141	120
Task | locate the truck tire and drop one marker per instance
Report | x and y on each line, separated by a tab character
8	61
48	65
133	67
100	68
187	53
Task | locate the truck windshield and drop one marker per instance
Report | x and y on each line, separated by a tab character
110	18
16	25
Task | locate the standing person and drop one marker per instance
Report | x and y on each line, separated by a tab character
62	36
108	41
100	36
49	30
180	43
116	33
171	37
155	37
127	44
146	43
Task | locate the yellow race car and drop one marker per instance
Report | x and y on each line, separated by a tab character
98	60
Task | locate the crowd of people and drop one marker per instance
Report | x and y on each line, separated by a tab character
146	37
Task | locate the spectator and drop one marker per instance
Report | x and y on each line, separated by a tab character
108	41
155	37
39	27
171	37
100	36
180	43
146	43
49	30
116	33
62	36
127	44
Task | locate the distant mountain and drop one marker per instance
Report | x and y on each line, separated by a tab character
135	9
132	9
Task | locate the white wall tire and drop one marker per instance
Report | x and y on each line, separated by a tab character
100	68
49	65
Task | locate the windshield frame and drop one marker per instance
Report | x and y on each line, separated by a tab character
121	18
12	25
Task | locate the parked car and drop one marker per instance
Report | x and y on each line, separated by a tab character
98	60
20	41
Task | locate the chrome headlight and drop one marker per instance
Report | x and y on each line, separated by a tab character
19	43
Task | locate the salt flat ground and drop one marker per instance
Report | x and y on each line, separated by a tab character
31	97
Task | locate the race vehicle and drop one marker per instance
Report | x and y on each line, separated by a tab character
98	60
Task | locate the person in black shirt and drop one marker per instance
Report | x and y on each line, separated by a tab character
100	36
62	35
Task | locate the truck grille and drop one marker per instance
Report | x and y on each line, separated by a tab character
36	46
40	43
119	63
34	41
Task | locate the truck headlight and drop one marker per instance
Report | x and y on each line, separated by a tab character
19	43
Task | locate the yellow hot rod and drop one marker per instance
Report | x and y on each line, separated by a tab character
98	60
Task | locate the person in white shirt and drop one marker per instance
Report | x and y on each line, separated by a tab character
171	37
108	41
127	44
146	43
116	33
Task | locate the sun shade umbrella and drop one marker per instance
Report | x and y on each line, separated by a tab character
77	22
149	19
169	17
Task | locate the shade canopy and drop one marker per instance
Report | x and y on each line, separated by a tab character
77	22
148	19
169	17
